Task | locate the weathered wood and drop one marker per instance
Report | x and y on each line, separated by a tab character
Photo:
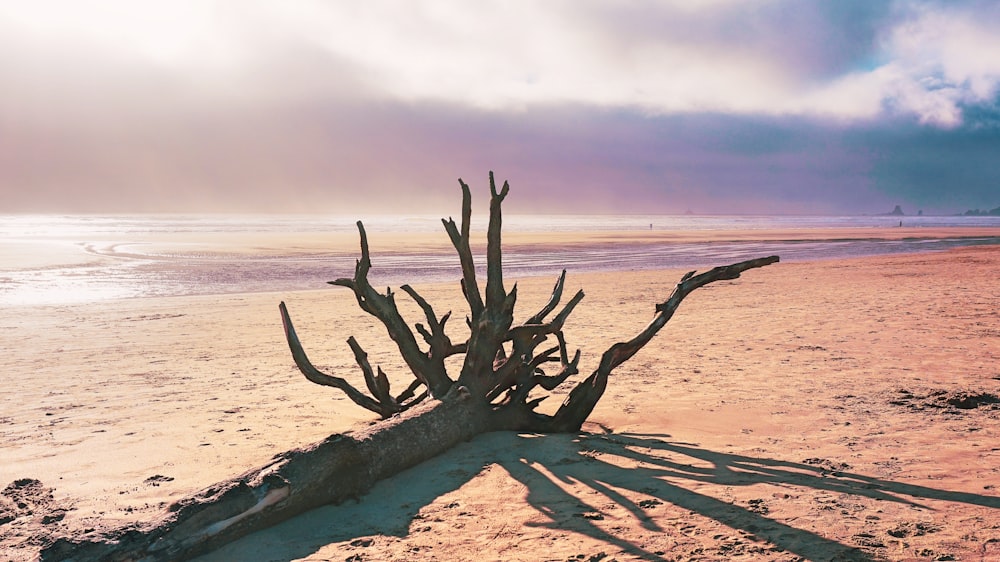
460	240
315	375
339	468
582	399
426	368
492	392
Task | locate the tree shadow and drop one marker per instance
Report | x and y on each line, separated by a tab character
648	479
546	465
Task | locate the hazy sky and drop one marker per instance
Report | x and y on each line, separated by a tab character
585	106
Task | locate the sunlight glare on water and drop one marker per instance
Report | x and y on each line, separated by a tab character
53	260
58	272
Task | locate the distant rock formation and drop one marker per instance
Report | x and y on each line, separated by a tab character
980	213
897	212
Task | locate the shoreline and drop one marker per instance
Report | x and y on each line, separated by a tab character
190	264
125	405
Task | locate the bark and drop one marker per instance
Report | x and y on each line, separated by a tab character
497	389
339	468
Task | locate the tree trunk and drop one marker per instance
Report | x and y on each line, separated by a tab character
338	468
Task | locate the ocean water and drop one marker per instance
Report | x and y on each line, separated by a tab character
53	260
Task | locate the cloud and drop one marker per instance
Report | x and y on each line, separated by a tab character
941	170
778	105
942	62
847	60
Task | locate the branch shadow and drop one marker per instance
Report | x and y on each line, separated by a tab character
648	479
545	464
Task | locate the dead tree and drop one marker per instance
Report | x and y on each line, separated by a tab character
497	389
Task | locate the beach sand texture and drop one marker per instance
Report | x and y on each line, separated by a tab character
833	410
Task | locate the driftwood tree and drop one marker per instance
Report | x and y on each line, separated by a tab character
496	389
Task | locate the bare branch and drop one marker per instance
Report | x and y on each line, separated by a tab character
563	353
378	384
489	329
432	319
517	370
408	393
621	352
460	240
428	337
427	369
552	302
495	294
526	331
420	398
582	399
318	377
569	368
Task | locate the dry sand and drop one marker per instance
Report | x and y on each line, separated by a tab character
836	410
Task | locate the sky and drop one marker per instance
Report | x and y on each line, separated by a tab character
615	106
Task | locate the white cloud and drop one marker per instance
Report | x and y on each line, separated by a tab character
504	55
175	32
507	55
941	59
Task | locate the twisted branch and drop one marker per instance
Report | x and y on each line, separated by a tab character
427	368
582	399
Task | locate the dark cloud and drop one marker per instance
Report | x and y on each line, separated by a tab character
941	170
370	156
400	157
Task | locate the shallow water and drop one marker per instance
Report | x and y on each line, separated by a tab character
65	259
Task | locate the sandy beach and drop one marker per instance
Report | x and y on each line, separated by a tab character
190	193
828	410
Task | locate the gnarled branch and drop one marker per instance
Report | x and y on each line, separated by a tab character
582	399
553	301
318	377
427	368
460	240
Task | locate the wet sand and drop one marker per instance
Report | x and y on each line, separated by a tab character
808	410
